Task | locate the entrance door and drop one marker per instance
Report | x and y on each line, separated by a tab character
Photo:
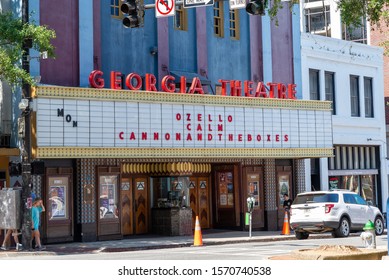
225	192
59	209
134	205
284	186
254	188
126	200
141	205
199	200
108	212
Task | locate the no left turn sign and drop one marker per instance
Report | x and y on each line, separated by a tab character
164	8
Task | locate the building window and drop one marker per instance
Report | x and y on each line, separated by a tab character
115	9
368	89
355	33
181	18
170	192
234	24
318	20
354	168
354	96
314	85
329	78
218	19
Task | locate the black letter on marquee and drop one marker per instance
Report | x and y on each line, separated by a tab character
59	112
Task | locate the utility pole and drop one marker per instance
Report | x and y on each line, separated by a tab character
26	140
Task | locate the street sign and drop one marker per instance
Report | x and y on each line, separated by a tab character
197	3
237	4
164	8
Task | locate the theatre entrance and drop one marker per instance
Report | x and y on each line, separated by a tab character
134	205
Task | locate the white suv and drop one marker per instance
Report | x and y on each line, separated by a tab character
336	211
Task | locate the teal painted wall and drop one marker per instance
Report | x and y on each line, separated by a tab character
228	58
127	49
182	45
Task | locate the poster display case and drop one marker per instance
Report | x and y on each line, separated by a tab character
58	200
108	188
253	188
225	189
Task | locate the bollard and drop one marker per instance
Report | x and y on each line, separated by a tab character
368	236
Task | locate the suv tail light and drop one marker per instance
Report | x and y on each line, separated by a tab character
328	208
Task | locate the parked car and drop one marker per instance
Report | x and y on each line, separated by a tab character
338	211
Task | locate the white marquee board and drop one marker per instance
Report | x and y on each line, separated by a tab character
83	123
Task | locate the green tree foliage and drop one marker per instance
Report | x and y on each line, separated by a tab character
273	6
376	11
352	11
13	33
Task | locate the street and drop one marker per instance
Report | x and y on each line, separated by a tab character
236	251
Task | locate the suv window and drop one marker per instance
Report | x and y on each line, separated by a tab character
316	198
354	199
360	200
349	198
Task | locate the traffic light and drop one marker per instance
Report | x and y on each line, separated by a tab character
256	7
15	168
134	12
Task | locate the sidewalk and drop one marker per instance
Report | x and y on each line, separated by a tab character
145	242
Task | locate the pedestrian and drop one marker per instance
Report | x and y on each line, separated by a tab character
287	204
37	208
7	238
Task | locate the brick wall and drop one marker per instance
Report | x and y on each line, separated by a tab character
376	38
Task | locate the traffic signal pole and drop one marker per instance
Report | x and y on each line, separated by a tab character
26	142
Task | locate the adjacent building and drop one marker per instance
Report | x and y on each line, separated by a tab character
339	65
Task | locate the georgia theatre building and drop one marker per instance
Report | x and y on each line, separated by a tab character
122	162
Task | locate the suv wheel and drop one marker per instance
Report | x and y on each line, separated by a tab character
300	235
344	228
379	226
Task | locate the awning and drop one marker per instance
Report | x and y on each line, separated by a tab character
9	152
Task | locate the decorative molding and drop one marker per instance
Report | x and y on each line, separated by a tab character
203	153
178	98
270	182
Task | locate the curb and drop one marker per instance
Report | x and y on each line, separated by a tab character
63	249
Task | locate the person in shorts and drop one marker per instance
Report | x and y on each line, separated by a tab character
37	209
7	238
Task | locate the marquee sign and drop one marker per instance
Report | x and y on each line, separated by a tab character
131	124
134	81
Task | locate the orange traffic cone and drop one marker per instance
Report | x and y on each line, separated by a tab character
198	238
286	228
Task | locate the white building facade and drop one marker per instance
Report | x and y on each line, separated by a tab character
339	65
